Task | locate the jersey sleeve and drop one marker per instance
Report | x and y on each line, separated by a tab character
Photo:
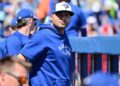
82	22
1	52
2	49
35	47
82	19
13	46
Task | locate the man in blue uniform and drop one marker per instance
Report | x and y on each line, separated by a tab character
13	25
25	24
77	27
12	28
49	51
77	24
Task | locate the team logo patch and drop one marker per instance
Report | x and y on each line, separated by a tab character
65	49
66	6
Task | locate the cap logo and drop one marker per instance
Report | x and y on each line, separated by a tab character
66	6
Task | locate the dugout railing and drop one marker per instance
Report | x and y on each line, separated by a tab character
95	54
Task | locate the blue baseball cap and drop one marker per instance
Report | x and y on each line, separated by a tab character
13	22
63	6
102	79
25	13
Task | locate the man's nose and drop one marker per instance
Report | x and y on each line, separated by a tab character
63	15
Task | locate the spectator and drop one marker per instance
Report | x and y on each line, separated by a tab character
92	26
18	39
51	59
13	25
6	32
10	29
96	11
13	71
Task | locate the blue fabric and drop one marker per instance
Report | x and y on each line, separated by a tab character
50	55
13	22
1	33
1	52
25	13
78	21
4	4
2	49
99	44
37	22
15	43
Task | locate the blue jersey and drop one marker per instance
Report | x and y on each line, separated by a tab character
1	52
1	49
50	54
15	43
77	23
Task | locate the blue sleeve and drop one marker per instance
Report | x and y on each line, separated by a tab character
1	52
13	45
35	47
82	21
79	20
2	49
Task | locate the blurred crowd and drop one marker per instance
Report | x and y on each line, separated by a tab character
102	16
103	19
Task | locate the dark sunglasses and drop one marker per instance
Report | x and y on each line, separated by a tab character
21	79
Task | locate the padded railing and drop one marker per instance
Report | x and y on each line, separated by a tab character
95	54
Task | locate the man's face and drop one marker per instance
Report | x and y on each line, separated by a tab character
61	19
31	23
15	78
32	26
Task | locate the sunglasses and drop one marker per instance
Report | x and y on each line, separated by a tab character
21	79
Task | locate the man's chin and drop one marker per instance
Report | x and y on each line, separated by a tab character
63	26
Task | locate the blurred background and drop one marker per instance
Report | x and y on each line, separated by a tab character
102	16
